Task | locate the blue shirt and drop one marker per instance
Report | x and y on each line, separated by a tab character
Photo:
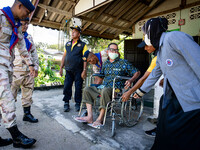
120	67
99	64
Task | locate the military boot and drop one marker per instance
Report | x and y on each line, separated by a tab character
19	139
28	116
5	142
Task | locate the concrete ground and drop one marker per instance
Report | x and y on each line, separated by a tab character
57	130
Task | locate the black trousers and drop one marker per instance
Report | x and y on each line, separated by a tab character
70	77
176	129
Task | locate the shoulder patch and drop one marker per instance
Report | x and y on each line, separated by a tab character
68	43
7	23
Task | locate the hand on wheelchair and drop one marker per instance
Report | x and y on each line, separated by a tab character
127	84
126	96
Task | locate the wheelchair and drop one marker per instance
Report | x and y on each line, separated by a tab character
128	112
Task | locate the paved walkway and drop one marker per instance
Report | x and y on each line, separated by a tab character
57	130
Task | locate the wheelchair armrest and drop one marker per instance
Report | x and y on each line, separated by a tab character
97	74
96	85
123	77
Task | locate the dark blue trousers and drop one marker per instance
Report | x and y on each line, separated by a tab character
70	77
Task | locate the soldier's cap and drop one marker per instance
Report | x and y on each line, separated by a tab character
26	19
142	44
28	5
77	28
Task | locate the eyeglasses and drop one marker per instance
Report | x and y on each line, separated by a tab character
113	50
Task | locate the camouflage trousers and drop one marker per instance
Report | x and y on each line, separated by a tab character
26	82
7	101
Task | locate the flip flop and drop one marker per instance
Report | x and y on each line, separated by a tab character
78	120
96	127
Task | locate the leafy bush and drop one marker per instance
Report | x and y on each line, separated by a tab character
48	72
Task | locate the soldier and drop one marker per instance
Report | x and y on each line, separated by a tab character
10	35
21	75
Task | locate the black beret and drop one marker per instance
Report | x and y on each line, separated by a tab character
28	4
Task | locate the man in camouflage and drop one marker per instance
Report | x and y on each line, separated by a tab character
10	35
21	75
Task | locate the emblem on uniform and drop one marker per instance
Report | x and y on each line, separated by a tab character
7	23
169	62
117	90
69	43
84	58
79	45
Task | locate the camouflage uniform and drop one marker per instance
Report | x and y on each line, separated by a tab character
21	75
7	102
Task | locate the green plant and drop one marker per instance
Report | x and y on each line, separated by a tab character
48	71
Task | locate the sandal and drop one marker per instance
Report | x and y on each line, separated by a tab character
97	124
78	120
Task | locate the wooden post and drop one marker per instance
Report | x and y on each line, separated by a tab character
36	4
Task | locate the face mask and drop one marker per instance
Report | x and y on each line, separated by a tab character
147	40
113	55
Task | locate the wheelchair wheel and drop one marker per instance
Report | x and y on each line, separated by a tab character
131	111
113	125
